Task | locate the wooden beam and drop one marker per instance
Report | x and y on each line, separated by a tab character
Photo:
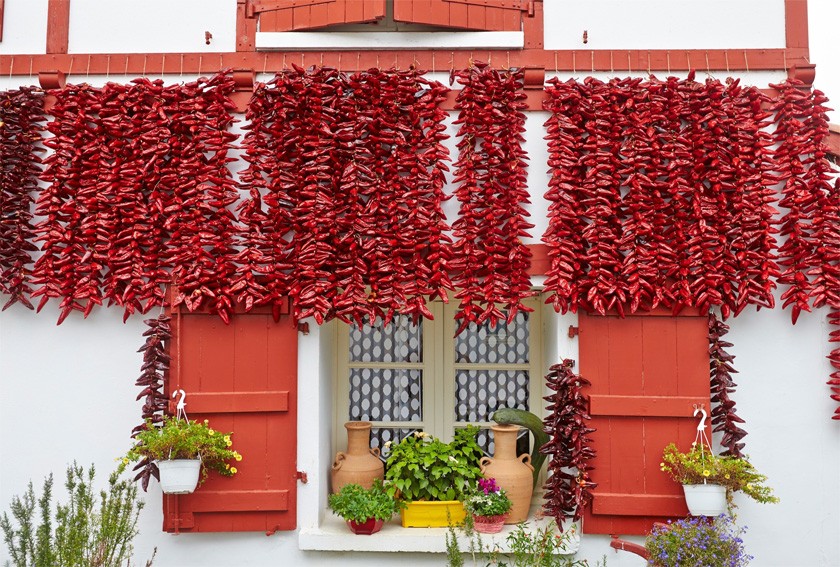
58	26
1	20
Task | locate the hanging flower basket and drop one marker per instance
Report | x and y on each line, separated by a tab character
705	499
179	476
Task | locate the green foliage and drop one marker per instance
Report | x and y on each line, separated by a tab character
358	504
487	499
421	467
182	439
700	465
89	531
694	542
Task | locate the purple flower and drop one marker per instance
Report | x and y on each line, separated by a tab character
488	485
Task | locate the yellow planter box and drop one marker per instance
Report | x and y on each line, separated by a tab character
424	514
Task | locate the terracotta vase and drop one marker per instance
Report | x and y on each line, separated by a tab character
360	464
514	474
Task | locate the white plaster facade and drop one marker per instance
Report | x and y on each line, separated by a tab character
67	392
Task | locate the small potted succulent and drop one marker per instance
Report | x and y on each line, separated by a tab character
705	475
432	477
364	509
488	504
181	449
697	542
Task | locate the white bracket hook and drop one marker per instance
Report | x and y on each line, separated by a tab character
702	425
181	406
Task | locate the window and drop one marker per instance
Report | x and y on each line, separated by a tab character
405	377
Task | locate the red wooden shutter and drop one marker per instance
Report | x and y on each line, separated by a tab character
484	15
243	378
296	15
647	372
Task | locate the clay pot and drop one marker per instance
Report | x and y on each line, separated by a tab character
514	474
489	524
360	464
368	527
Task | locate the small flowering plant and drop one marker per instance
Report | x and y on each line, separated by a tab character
697	542
700	465
487	499
185	439
422	467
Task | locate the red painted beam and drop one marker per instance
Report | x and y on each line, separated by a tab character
1	20
58	26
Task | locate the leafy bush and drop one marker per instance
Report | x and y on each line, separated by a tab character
695	542
85	535
421	467
182	439
487	499
700	465
358	504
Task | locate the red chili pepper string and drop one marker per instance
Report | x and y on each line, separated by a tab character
568	490
724	416
21	132
490	261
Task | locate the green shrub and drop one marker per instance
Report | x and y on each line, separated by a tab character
358	504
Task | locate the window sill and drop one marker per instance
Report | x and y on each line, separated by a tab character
389	40
334	535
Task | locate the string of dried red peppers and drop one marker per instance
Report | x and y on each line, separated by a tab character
659	196
724	416
490	261
21	127
138	189
569	486
345	184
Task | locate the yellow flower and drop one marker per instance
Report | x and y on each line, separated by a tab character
211	432
726	476
237	456
227	466
228	441
233	470
706	473
206	421
125	461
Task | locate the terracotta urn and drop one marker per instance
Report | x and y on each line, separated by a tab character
359	464
514	474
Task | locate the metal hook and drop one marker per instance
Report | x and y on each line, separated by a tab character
702	425
181	403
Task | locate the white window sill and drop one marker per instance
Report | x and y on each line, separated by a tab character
334	535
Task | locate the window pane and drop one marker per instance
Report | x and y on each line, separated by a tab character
504	344
399	341
386	394
479	393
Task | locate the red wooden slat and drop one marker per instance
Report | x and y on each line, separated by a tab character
310	14
643	406
1	20
58	26
237	402
639	504
239	501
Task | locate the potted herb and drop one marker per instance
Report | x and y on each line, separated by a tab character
180	447
697	542
488	505
433	477
364	509
701	473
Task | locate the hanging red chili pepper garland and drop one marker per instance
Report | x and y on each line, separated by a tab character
348	172
724	416
490	261
569	486
21	130
138	188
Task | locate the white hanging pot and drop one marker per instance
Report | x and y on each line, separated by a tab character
179	476
705	499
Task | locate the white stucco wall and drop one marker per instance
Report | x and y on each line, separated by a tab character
67	392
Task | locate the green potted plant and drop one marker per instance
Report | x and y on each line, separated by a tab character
364	509
697	542
181	448
488	504
432	477
701	472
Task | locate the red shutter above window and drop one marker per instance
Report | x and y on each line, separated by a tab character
647	373
483	15
243	378
297	15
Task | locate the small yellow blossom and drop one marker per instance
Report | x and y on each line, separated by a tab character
125	461
726	476
228	441
227	466
706	473
211	432
237	456
233	470
206	421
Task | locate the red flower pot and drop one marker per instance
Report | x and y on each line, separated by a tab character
489	524
371	526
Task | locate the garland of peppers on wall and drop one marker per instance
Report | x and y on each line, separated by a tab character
21	126
490	260
724	416
346	178
569	486
154	373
